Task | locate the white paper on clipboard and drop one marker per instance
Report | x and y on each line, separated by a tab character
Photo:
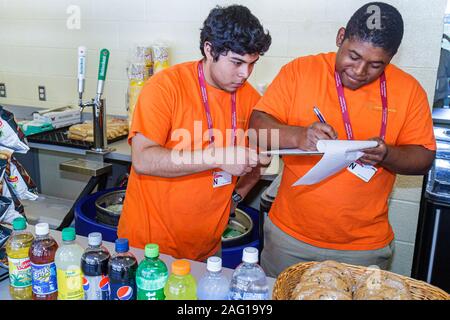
337	155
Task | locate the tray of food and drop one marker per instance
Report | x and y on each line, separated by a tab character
81	135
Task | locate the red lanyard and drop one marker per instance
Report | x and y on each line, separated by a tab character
201	80
344	109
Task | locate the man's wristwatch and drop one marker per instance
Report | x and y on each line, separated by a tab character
236	197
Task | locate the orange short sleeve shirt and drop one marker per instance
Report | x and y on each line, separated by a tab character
185	216
342	212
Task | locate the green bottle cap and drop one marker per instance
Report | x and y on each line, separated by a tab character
19	223
68	234
151	250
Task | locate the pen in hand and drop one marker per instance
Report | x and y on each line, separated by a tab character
321	118
319	115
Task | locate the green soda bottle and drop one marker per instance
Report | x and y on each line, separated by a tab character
17	248
181	284
151	275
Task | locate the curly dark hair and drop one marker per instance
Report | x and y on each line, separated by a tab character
234	28
387	35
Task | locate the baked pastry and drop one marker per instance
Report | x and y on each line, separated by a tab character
381	285
329	274
85	131
310	291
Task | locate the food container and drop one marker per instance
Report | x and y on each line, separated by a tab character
109	207
238	231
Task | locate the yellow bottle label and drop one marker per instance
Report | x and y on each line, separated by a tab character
19	272
70	283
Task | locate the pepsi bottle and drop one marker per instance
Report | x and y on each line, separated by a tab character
122	272
94	264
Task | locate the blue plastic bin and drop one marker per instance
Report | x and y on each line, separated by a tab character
85	217
85	223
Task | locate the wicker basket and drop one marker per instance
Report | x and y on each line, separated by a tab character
288	279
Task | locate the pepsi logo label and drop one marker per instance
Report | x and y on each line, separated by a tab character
86	284
104	284
125	293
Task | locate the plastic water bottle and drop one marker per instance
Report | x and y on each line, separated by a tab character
151	275
122	272
214	285
68	267
181	284
17	250
94	264
43	267
249	280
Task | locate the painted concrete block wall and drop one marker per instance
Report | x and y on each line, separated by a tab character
38	48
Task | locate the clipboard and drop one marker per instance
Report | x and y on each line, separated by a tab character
292	152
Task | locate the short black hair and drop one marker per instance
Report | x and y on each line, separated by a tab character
234	28
385	32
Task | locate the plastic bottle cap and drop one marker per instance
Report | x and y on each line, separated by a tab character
151	250
250	255
181	267
214	264
94	239
122	245
19	223
42	229
68	234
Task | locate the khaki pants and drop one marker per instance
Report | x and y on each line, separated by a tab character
281	251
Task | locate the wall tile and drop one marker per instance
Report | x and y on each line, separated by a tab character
119	10
408	188
402	258
426	78
403	216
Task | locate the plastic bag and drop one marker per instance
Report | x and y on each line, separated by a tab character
10	134
22	186
7	211
8	193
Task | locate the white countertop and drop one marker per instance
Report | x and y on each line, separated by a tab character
197	268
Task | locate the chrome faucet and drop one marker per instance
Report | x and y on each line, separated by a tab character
97	104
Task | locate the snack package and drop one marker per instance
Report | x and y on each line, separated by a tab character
22	186
3	164
7	211
10	134
7	192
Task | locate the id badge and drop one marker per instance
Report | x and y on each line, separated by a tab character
221	178
364	172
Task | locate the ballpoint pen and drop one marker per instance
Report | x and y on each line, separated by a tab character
319	115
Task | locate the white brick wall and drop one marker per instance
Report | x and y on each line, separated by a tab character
37	48
403	214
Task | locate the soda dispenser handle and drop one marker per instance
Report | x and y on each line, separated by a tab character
81	71
103	66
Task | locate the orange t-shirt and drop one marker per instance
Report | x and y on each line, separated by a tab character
342	212
185	216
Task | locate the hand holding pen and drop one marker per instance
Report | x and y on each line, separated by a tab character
315	132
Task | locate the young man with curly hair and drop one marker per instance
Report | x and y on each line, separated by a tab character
186	153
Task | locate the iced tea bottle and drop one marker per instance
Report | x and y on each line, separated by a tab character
43	268
17	248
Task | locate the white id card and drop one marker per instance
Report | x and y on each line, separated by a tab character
364	172
221	178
